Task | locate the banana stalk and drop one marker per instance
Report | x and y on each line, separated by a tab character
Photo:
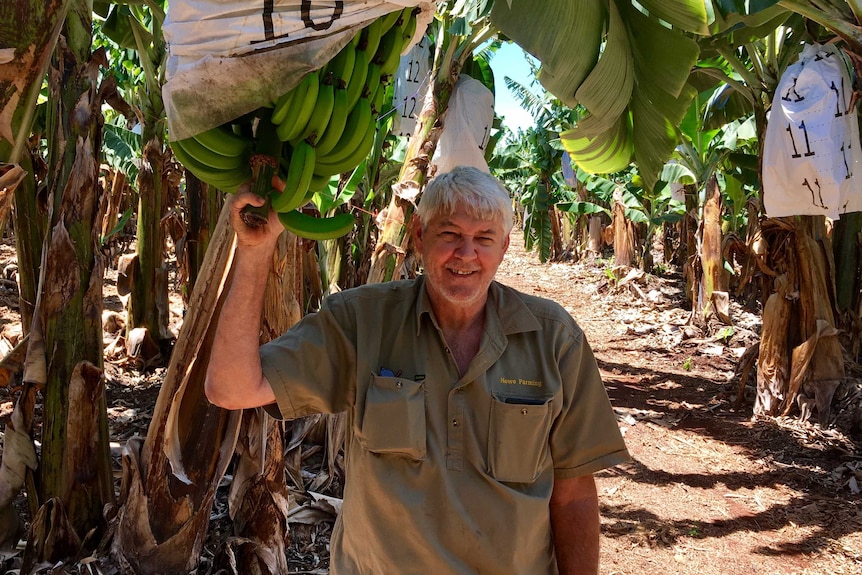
264	165
388	257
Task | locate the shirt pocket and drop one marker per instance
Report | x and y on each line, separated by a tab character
394	418
518	440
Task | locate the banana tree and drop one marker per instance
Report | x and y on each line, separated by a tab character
64	354
539	156
843	19
706	153
796	367
460	28
31	45
529	164
138	28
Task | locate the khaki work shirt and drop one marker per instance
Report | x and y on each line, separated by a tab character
447	473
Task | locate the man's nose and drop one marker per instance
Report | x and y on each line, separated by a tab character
466	248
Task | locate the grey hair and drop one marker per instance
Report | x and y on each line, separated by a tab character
466	188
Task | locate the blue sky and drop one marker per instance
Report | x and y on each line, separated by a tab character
511	61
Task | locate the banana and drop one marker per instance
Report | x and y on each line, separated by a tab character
207	157
312	228
409	28
335	127
283	105
389	20
342	65
228	181
298	115
358	122
317	184
377	100
299	173
357	78
222	140
388	55
372	80
322	168
370	37
321	113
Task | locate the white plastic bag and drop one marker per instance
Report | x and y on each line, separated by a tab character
411	85
812	159
466	127
230	57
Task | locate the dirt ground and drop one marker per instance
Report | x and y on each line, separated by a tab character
710	490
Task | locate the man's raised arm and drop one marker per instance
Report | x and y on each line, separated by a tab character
234	376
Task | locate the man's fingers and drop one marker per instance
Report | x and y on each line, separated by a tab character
244	188
277	183
243	199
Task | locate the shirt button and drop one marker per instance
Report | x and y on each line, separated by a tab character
524	411
454	423
448	351
398	385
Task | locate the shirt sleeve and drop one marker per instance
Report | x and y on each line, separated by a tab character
311	367
585	437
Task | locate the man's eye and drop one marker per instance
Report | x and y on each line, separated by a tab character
485	241
448	236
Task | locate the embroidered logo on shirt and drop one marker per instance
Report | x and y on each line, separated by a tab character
519	381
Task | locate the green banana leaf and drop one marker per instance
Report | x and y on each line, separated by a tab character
676	173
118	27
122	148
582	208
331	197
593	53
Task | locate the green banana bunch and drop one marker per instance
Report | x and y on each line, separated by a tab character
408	30
320	129
388	21
217	157
312	228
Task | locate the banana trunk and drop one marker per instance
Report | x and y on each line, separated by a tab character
388	257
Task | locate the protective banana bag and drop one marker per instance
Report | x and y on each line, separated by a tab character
467	127
227	58
812	159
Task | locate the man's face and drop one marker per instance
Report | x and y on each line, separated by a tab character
461	255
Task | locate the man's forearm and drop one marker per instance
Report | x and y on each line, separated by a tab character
234	376
575	524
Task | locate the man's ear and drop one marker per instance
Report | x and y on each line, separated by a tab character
416	231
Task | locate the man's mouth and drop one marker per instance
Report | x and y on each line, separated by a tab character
462	272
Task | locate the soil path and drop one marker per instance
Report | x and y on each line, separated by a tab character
709	490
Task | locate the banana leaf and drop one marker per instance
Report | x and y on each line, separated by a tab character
593	53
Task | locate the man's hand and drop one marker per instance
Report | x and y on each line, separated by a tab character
263	236
575	525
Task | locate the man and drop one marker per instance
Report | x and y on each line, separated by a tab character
476	414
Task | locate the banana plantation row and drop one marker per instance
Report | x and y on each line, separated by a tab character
649	131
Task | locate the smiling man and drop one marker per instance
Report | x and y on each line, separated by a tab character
476	414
